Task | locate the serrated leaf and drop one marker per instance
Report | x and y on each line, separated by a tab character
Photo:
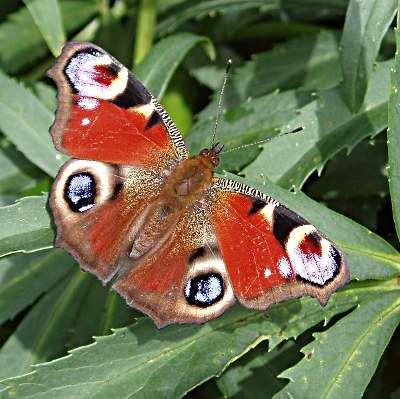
142	362
26	121
158	66
310	62
69	314
43	332
363	174
26	226
329	127
346	371
197	10
138	362
254	120
253	376
24	277
194	10
47	16
366	24
394	135
201	354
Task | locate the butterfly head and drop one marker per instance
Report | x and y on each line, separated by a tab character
212	154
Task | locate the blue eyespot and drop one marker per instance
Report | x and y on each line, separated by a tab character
204	290
80	192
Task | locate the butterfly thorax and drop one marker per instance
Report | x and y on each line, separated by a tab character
184	186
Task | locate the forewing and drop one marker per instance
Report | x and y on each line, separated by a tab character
106	114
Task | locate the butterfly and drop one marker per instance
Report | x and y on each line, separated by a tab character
179	243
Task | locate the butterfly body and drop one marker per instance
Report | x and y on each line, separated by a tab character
132	206
183	189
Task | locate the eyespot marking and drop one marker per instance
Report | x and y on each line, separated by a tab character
204	290
284	268
80	192
313	257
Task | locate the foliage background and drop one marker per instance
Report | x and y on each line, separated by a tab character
330	66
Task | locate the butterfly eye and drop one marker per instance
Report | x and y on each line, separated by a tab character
204	290
80	192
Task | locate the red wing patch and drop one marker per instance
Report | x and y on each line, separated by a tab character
106	114
251	252
100	130
271	253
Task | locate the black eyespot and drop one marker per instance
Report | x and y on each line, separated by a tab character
80	192
204	290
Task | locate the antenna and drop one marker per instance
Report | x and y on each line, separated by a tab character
239	147
228	68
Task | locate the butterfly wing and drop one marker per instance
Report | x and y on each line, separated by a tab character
177	264
97	207
271	253
106	114
184	280
126	143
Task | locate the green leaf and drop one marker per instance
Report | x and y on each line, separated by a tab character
242	379
363	174
26	121
16	175
346	371
394	135
22	43
197	10
44	331
71	312
356	185
177	358
254	120
146	20
366	24
237	11
141	361
158	66
329	128
47	16
26	226
274	45
310	62
24	277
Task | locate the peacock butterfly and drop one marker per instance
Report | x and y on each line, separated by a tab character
131	205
